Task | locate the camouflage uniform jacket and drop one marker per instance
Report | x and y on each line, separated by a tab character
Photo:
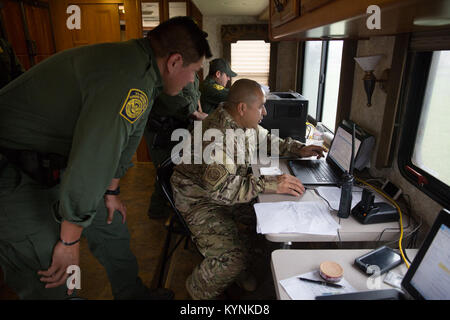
230	183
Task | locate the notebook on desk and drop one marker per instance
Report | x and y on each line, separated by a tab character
428	277
330	170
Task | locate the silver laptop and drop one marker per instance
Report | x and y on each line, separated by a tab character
428	277
328	171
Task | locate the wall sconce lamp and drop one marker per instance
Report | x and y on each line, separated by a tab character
280	4
368	64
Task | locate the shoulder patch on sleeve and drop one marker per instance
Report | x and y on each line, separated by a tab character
214	175
218	87
134	106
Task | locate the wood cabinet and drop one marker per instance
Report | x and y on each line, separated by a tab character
27	26
311	5
347	19
282	11
100	22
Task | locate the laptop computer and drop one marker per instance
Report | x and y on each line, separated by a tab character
428	277
328	171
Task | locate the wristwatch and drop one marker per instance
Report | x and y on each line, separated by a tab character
113	192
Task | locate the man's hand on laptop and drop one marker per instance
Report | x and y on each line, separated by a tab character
312	151
288	184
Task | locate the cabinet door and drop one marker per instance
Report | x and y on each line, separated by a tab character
310	5
40	30
15	32
100	23
289	9
28	28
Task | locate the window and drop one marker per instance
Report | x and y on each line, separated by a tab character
251	59
321	76
425	141
177	9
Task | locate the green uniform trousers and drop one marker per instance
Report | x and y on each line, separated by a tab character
227	239
29	231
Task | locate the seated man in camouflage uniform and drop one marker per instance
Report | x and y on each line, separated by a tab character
216	199
169	113
213	88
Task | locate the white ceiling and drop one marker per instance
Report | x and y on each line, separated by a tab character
231	7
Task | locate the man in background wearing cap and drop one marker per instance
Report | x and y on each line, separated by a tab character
213	89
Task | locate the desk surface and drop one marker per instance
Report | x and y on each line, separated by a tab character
351	229
288	263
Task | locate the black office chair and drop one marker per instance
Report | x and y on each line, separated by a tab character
176	224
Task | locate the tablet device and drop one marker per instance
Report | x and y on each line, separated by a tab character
382	259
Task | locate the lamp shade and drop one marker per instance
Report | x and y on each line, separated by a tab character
368	63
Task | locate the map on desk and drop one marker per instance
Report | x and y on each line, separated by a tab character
311	217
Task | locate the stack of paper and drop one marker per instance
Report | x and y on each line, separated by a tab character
295	217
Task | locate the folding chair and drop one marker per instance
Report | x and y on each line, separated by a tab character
176	224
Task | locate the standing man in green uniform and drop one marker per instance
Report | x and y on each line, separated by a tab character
169	113
213	88
216	198
81	113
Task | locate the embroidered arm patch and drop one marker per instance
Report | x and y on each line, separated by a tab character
214	175
218	87
134	106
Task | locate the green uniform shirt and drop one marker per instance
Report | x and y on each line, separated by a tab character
212	94
90	104
180	106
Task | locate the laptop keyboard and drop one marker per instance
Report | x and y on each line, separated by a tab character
321	173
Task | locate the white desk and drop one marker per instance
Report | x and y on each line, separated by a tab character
288	263
351	229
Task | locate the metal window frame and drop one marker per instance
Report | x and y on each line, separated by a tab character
322	78
418	67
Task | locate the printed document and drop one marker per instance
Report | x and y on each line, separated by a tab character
295	217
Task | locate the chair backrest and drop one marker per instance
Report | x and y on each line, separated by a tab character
163	175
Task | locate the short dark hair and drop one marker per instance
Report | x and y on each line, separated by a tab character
180	35
244	90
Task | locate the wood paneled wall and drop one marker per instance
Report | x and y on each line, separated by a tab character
27	26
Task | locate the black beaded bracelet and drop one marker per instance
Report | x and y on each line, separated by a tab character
113	192
69	243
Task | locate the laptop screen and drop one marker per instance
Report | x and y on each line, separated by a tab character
341	148
432	277
428	277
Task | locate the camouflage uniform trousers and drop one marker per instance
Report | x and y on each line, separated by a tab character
226	237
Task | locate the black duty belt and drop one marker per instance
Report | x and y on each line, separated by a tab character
45	168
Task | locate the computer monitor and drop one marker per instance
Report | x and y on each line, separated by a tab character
428	276
287	112
341	146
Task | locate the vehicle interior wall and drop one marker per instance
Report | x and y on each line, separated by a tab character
371	119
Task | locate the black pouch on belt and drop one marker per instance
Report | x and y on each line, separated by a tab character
3	162
44	168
